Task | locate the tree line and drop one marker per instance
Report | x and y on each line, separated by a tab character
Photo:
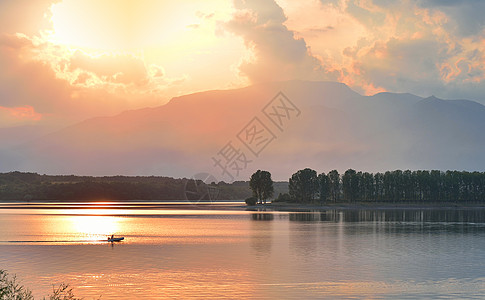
24	186
306	186
32	186
391	186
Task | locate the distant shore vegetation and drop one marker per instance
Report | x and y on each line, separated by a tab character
461	187
22	186
304	186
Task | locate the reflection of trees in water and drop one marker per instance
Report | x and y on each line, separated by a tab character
261	236
305	217
425	215
262	217
316	216
398	215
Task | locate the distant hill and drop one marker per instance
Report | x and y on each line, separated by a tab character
336	129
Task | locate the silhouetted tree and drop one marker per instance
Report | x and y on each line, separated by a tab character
334	185
350	185
262	185
303	185
379	186
324	187
367	187
251	201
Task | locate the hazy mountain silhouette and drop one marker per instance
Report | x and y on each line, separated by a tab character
337	128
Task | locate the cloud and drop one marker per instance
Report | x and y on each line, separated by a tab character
402	65
156	71
29	77
15	41
13	116
23	81
276	54
46	64
125	69
421	46
24	16
466	16
65	86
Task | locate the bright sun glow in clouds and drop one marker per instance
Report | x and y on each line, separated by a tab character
80	59
156	45
118	25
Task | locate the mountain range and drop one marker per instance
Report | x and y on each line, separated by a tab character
280	127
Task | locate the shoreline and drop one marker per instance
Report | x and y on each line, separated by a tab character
237	205
284	206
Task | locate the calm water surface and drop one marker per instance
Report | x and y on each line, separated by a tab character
182	251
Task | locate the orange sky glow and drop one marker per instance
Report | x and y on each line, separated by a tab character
64	61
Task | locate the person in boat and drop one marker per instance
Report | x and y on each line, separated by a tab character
112	236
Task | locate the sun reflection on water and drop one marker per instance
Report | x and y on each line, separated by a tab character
95	227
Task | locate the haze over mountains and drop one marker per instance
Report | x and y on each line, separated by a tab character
328	127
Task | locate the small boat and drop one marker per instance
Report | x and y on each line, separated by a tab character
115	239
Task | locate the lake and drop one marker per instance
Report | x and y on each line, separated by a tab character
180	250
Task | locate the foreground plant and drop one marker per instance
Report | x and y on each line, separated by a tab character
10	289
63	292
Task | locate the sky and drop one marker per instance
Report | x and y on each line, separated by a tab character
65	61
